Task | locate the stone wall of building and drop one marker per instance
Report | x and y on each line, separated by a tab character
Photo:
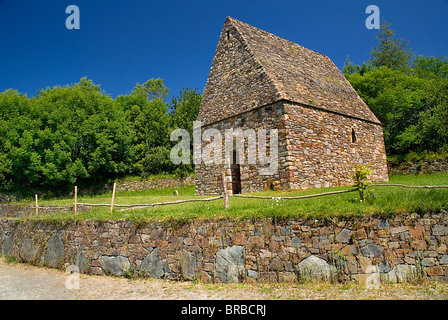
405	247
236	82
208	177
315	150
254	72
140	184
321	152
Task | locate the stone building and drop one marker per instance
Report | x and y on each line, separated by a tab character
260	81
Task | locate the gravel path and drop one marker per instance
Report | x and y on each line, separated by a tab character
25	282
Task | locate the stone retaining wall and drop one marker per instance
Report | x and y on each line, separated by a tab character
405	247
153	183
418	166
18	211
122	185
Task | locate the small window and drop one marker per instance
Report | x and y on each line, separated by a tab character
353	136
228	35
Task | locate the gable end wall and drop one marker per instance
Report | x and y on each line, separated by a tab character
208	177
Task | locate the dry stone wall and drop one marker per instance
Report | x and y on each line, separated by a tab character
418	166
122	185
315	149
236	82
208	177
141	184
157	183
402	248
321	150
11	210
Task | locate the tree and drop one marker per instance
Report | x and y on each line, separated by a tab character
16	126
147	114
349	67
430	132
152	89
184	110
390	52
410	100
63	136
396	98
430	67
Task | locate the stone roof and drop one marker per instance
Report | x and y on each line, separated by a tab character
253	67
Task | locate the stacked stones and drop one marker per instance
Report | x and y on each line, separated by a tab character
153	183
142	184
208	177
122	185
419	166
10	210
324	155
260	81
399	249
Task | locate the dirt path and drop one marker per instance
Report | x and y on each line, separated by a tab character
25	282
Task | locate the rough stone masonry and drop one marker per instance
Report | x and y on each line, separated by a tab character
260	81
403	248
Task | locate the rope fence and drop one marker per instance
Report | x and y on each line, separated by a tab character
147	204
405	186
294	198
225	195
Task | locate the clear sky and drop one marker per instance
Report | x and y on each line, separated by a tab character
120	43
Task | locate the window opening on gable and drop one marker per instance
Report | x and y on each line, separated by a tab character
228	35
353	136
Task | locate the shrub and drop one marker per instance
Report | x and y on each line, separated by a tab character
360	177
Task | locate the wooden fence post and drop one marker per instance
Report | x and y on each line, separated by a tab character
37	205
113	198
76	199
225	192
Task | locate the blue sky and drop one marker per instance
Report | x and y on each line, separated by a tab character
120	43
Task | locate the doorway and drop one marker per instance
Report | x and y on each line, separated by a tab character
236	174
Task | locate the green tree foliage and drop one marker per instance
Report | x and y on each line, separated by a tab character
147	114
79	134
349	67
430	67
410	99
15	125
66	134
184	110
360	177
390	52
396	99
430	131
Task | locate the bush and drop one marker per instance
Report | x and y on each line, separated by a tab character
360	177
156	161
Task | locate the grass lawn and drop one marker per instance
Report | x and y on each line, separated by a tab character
387	201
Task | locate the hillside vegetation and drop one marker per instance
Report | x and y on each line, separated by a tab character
384	201
79	135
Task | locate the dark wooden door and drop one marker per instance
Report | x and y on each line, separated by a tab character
236	175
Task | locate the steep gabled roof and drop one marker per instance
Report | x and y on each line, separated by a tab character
253	67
